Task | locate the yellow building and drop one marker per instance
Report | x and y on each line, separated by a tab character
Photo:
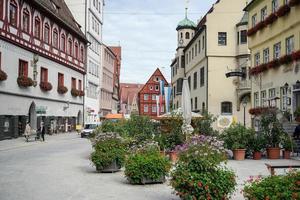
274	41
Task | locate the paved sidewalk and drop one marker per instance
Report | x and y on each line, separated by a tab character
20	142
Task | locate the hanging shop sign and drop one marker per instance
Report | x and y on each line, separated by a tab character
235	74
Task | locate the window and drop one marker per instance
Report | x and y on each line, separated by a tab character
63	43
277	50
1	9
79	85
222	38
153	97
245	72
274	5
193	53
13	13
146	96
203	42
179	83
254	20
192	104
256	100
199	46
174	92
44	75
195	80
257	59
263	96
196	50
82	54
272	95
76	50
73	82
263	13
203	107
238	37
26	20
70	44
202	77
146	108
151	87
0	60
162	109
190	58
182	62
284	98
23	68
243	36
266	55
187	35
46	33
289	45
92	92
189	81
61	79
154	109
226	108
157	88
55	38
37	27
196	103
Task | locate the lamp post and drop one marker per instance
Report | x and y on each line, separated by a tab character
244	103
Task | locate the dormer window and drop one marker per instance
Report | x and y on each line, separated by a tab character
55	38
47	33
63	43
37	27
26	20
13	13
70	46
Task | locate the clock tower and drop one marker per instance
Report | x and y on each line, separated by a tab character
185	31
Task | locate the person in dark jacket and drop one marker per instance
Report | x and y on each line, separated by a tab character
297	132
43	131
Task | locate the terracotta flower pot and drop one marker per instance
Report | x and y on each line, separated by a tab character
173	156
256	155
239	154
273	153
286	154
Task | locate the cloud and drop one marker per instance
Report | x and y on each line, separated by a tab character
147	33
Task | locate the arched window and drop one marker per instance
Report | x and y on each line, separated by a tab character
26	19
55	38
187	35
81	54
181	35
203	107
37	27
13	13
226	108
47	33
70	46
76	50
63	42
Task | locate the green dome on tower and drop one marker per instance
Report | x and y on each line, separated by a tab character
186	24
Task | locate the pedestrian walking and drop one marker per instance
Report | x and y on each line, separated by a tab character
43	131
27	131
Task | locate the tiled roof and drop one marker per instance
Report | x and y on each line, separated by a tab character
129	91
59	10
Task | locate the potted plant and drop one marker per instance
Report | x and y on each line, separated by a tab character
109	152
288	145
24	81
283	10
297	114
273	132
286	59
236	139
270	19
3	75
75	92
293	3
199	173
256	145
145	164
61	89
45	86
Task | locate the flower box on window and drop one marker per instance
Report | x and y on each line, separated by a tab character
251	31
62	89
260	25
296	55
261	110
283	10
81	93
270	19
273	64
45	86
3	75
294	3
75	92
286	59
24	81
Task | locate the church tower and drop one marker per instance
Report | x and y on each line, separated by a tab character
185	31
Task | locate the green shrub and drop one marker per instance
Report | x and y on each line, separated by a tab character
256	142
146	163
204	126
199	173
282	187
107	149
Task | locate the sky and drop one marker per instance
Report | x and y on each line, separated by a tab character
146	31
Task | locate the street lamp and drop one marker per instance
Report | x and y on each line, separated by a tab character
244	103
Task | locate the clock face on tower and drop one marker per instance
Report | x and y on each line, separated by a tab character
181	41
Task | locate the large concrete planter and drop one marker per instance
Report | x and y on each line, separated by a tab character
113	167
146	180
257	155
273	153
239	154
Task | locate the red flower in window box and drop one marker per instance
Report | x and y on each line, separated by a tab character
3	75
283	10
81	93
261	110
273	64
294	3
270	19
45	86
286	59
24	81
296	55
260	25
75	92
62	89
251	31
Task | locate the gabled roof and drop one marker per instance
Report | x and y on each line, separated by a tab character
58	10
186	24
160	73
244	20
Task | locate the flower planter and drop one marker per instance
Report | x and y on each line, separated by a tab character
145	180
283	10
286	154
173	156
296	55
62	89
113	167
45	86
256	155
239	154
81	93
251	31
75	92
273	153
273	64
285	59
24	81
270	19
293	3
3	75
261	110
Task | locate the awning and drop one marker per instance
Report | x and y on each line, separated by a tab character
114	116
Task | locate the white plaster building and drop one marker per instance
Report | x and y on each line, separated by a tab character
42	54
89	14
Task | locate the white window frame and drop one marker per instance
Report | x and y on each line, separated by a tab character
284	98
256	99
146	108
290	45
154	108
266	55
264	13
146	97
257	59
277	50
264	100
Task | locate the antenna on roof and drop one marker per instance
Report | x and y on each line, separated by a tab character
186	7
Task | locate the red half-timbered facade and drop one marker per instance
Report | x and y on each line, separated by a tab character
148	94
